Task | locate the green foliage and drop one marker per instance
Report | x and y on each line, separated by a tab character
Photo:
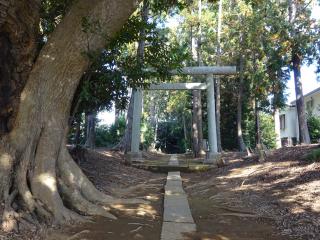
117	67
228	114
51	14
148	135
314	127
108	136
268	134
170	137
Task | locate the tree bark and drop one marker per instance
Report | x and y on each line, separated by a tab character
259	146
185	133
302	119
241	145
36	147
197	133
128	131
91	133
78	131
304	136
195	123
218	94
19	32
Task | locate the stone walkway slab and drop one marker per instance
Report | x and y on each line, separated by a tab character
177	217
176	209
174	176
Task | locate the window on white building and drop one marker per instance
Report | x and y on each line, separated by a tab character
282	121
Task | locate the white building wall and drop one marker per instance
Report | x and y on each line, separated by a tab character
316	103
291	120
292	126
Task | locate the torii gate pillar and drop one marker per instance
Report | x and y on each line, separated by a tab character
135	155
136	120
212	156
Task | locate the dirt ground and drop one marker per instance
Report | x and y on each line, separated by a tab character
278	199
108	172
245	200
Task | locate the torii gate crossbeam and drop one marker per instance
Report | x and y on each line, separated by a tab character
209	86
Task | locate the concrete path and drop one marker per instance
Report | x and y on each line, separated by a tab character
173	160
177	218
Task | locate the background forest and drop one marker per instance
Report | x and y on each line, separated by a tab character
262	38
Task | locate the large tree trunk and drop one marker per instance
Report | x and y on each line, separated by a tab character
19	30
36	147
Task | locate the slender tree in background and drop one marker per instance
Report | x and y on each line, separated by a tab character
218	85
90	133
197	132
241	144
295	9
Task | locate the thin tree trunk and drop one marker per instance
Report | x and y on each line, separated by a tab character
78	131
257	123
304	136
276	118
185	133
91	134
218	94
152	119
241	145
259	146
35	150
302	119
197	106
199	122
195	129
128	131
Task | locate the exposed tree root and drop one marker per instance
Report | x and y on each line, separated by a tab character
64	196
77	201
72	175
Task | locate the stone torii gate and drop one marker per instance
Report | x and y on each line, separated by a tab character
209	71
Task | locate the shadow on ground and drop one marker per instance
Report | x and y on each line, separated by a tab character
278	199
